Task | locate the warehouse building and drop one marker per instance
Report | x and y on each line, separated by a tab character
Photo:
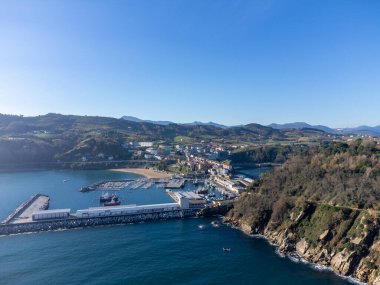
51	214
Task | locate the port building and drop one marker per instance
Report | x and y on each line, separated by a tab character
51	214
194	200
126	210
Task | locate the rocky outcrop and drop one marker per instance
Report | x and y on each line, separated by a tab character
347	240
215	210
343	262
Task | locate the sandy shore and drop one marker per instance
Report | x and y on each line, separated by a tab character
149	173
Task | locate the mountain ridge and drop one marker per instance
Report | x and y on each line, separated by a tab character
360	130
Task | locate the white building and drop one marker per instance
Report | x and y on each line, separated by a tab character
51	214
146	144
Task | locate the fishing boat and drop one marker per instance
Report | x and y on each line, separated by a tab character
226	249
107	197
113	202
201	191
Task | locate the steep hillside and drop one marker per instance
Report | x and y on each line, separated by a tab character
324	205
55	137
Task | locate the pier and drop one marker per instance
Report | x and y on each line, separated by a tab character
32	215
178	183
73	222
23	213
133	184
113	185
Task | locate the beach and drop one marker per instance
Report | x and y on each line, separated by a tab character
149	173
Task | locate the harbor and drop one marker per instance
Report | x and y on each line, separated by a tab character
114	201
34	215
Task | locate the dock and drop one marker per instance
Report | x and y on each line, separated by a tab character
176	184
72	223
104	185
134	184
23	213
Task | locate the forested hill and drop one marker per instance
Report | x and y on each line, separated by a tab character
324	204
55	137
340	175
59	124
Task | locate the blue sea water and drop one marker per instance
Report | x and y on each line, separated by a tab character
167	252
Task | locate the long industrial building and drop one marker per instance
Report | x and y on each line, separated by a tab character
51	214
126	210
182	203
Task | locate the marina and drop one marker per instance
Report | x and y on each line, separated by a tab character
133	184
33	215
188	198
176	184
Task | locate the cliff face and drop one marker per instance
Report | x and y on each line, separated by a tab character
347	240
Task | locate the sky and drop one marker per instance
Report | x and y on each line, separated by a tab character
231	62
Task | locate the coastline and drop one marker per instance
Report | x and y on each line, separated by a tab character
147	172
292	255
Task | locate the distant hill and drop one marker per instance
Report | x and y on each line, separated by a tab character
196	123
134	119
302	125
165	123
54	137
362	130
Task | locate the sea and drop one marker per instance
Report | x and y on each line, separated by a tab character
188	251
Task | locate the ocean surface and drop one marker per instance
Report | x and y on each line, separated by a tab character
167	252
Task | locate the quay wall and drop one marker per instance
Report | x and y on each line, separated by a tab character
71	223
22	208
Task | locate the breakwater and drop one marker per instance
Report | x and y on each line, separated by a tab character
71	223
24	206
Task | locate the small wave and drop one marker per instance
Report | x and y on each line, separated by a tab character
299	259
201	227
18	234
353	280
280	253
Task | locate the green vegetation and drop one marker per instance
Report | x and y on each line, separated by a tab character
339	178
57	138
327	218
268	153
323	202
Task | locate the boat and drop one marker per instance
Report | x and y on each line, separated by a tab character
113	202
226	249
108	198
201	191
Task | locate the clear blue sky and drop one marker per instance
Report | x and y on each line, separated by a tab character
228	61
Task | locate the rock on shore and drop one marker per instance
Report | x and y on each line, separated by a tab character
346	240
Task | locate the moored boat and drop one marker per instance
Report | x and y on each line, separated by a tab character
201	191
108	198
113	202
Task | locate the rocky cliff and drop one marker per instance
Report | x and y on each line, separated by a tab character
345	239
